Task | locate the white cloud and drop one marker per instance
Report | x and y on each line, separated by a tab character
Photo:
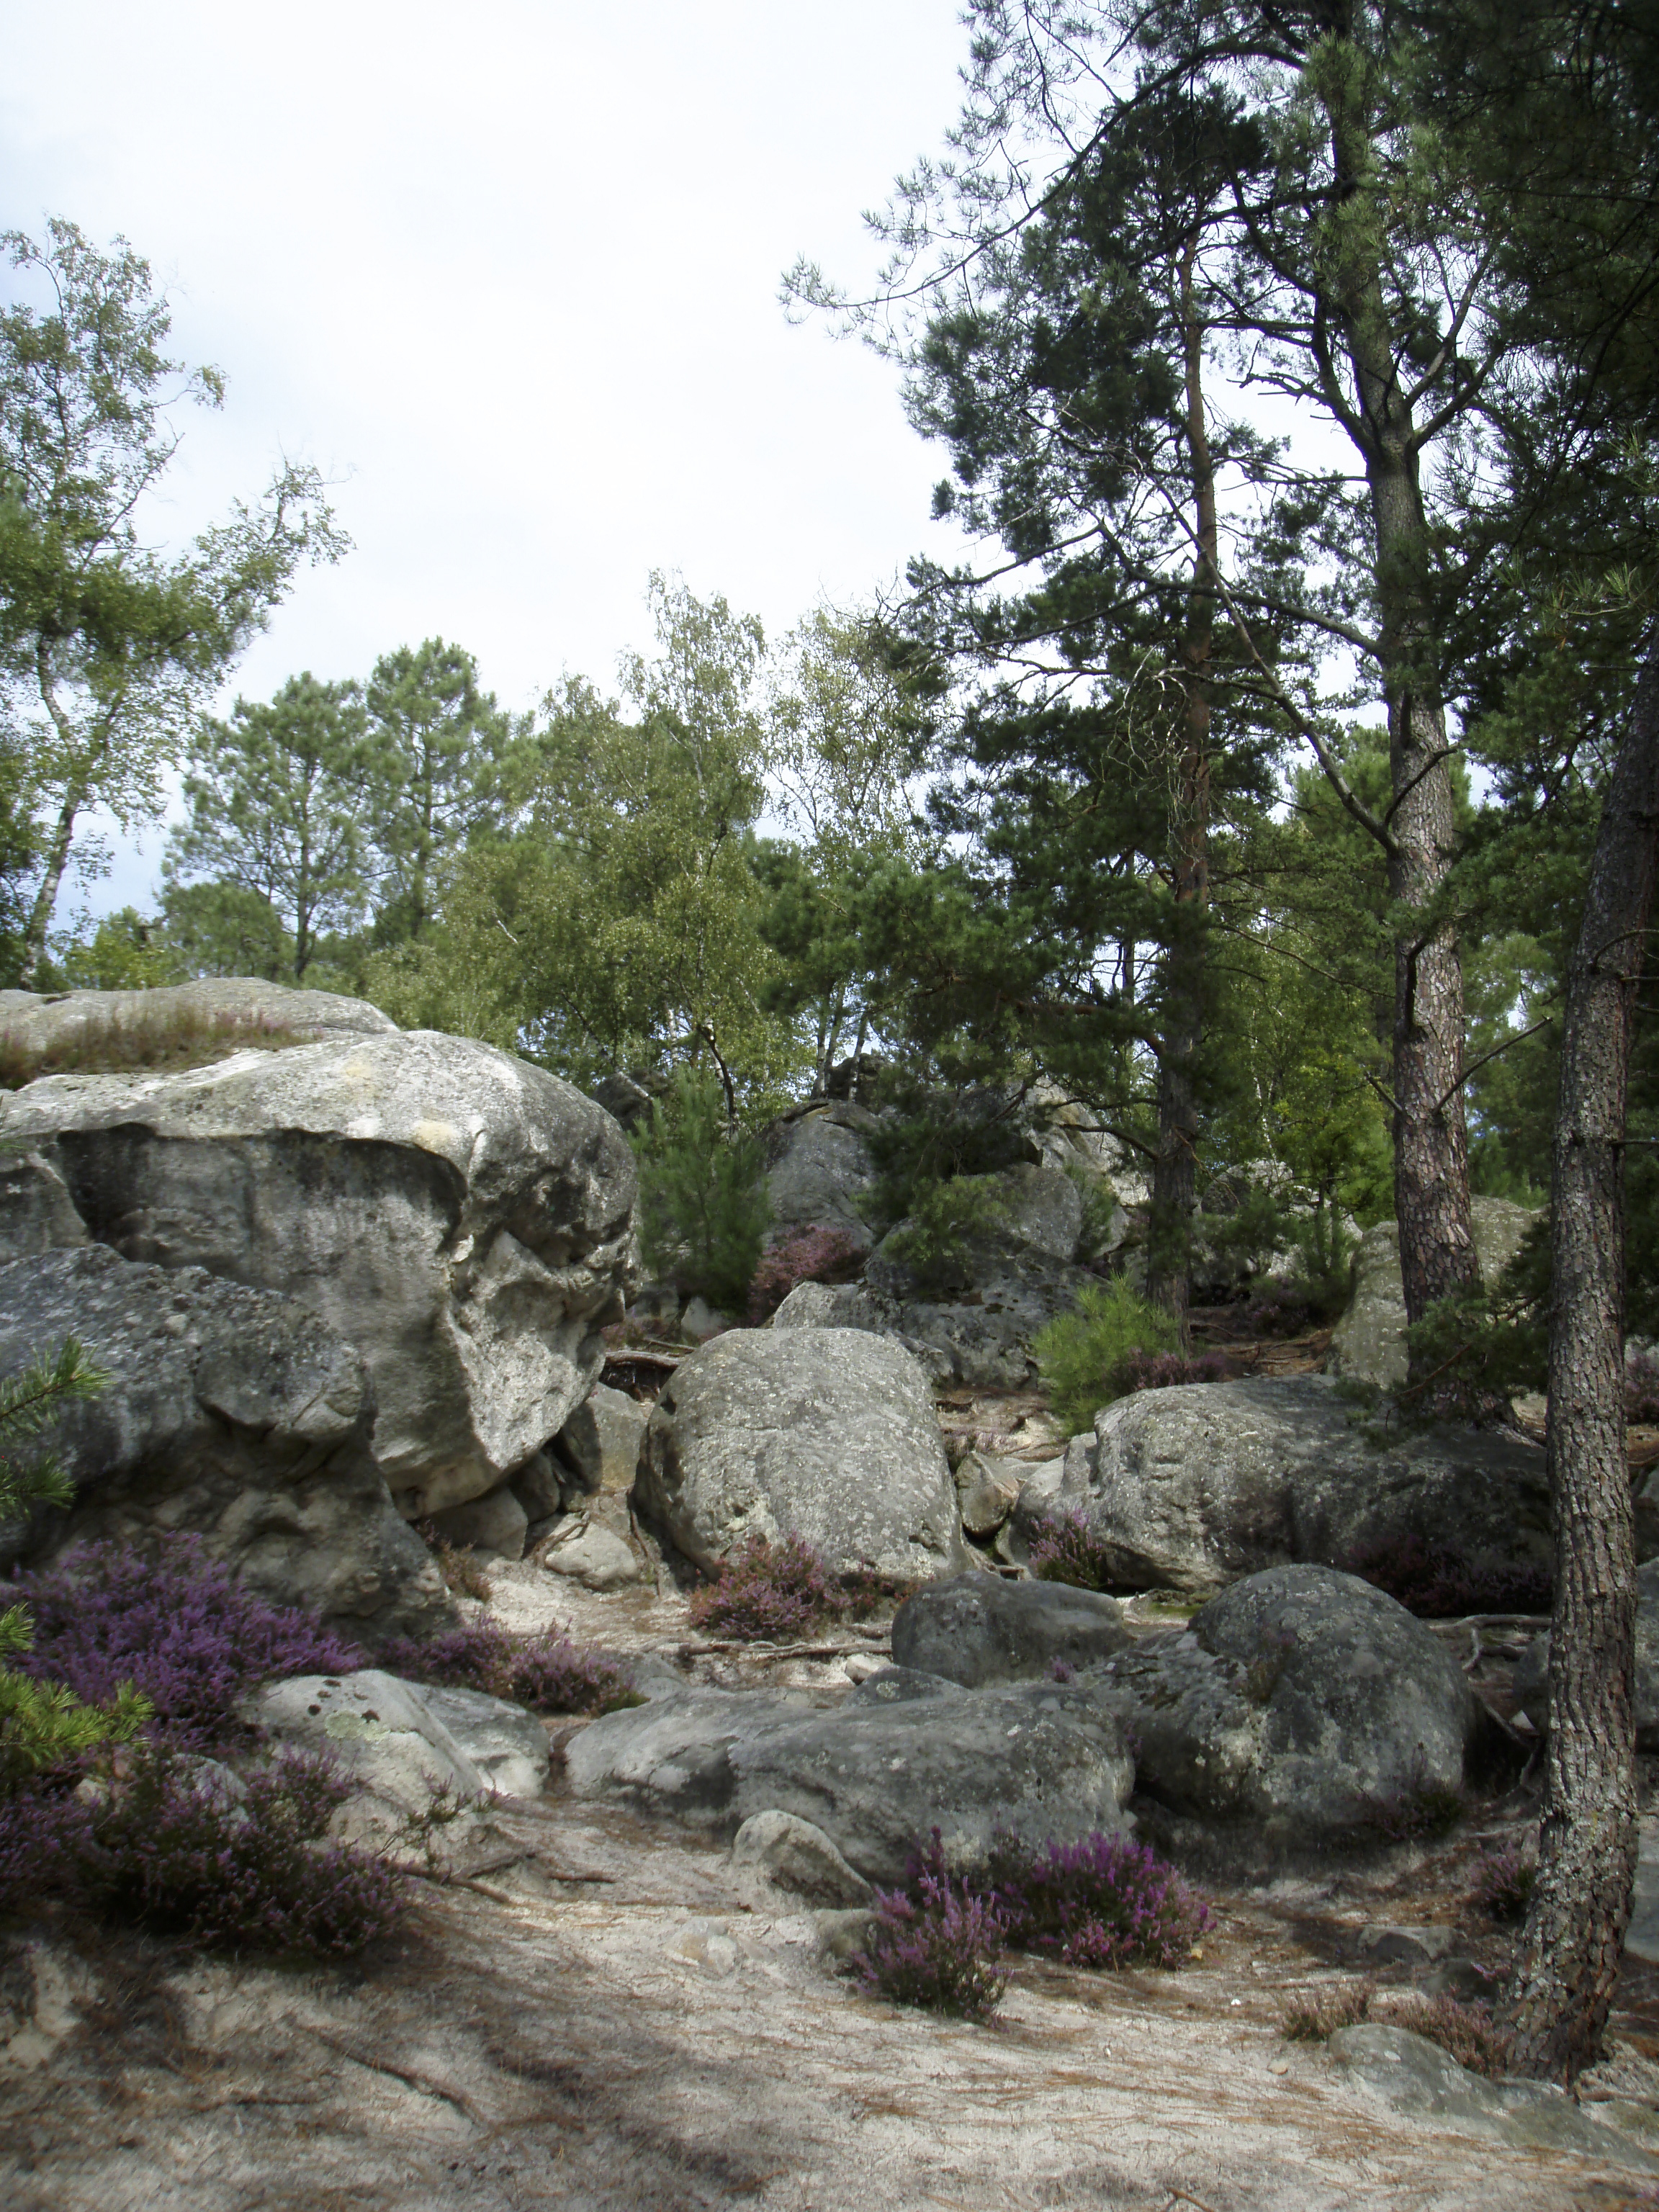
511	273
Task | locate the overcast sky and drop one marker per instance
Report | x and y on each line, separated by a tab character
509	273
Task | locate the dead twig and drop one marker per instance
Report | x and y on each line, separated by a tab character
771	1651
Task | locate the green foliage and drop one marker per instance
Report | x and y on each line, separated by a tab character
703	1208
125	952
614	920
946	1218
277	798
437	746
1082	1354
42	1725
108	649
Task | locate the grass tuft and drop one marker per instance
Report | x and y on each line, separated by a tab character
144	1041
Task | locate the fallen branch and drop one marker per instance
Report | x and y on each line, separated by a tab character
776	1651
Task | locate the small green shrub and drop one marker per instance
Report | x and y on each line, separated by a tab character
45	1725
703	1207
1084	1356
944	1219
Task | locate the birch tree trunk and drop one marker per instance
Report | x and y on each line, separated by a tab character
1567	1962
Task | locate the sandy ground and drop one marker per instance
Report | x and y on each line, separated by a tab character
592	2017
546	2038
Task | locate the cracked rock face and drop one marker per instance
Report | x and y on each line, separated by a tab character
825	1434
463	1217
230	1412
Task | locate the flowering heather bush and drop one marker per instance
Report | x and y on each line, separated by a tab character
811	1255
1069	1551
178	1627
1311	2015
548	1673
1104	1901
1438	1584
941	1949
785	1588
1504	1883
176	1850
1164	1371
767	1590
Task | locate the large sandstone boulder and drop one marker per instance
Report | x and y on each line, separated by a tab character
875	1776
825	1434
460	1216
818	1167
1302	1702
981	1629
230	1412
1369	1345
40	1022
977	1329
1190	1488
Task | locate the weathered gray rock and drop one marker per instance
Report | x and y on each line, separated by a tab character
497	1523
877	1778
1531	1672
1039	1206
1369	1345
1301	1701
778	1851
379	1730
1408	2074
599	1447
1189	1488
1001	1294
825	1434
818	1168
41	1021
583	1548
231	1414
988	1488
981	1629
462	1217
504	1743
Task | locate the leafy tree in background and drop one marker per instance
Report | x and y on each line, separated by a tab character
278	799
845	736
107	649
437	743
614	920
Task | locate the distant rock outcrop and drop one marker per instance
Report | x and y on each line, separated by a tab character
1369	1344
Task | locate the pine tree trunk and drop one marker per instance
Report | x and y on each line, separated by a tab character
1567	1964
1430	1138
1175	1170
